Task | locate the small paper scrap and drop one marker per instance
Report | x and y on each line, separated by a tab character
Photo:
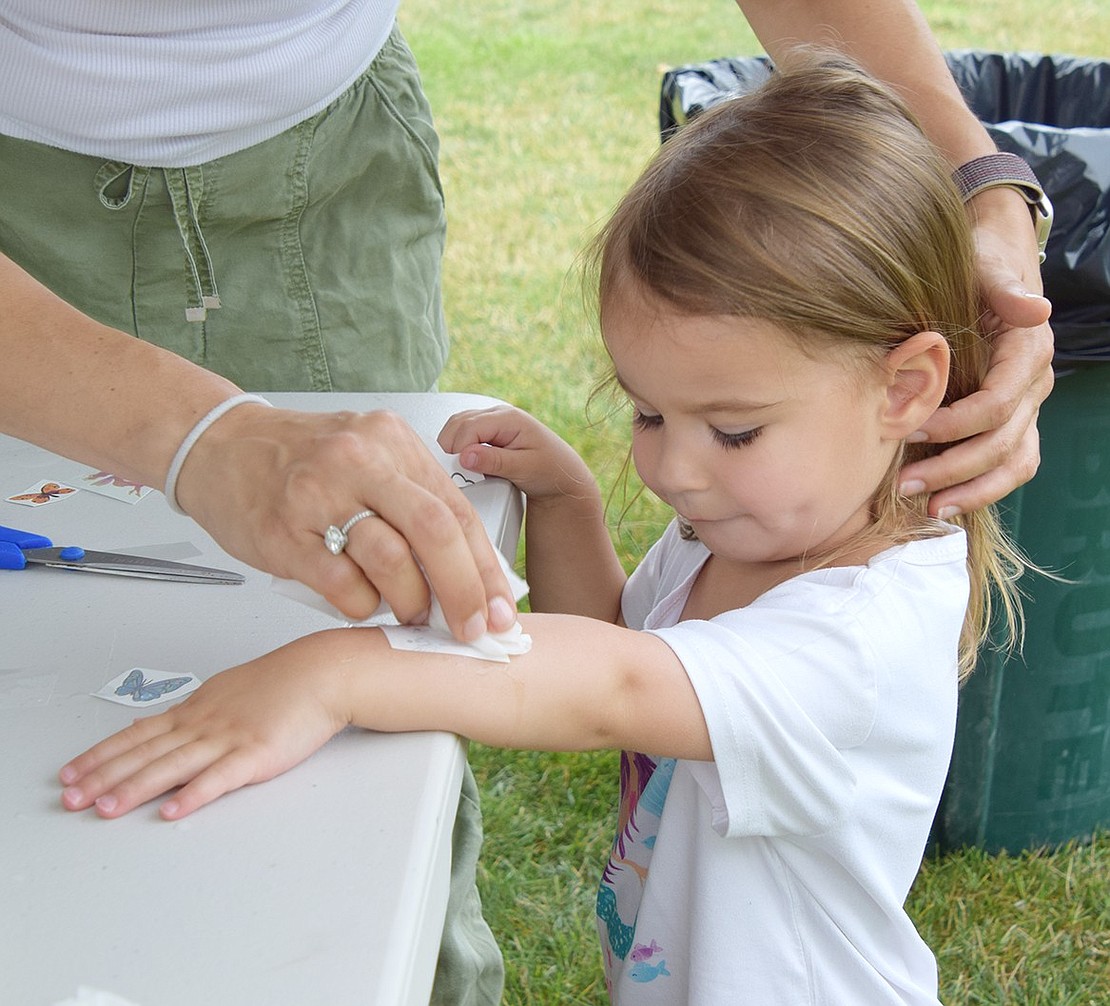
462	477
42	493
141	686
434	637
95	997
116	487
498	646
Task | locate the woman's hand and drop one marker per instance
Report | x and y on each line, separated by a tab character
996	447
266	483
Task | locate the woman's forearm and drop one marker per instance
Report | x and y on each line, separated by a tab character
90	392
893	41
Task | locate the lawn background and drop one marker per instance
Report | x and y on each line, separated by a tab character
547	111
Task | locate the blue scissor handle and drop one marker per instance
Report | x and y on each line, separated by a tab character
13	542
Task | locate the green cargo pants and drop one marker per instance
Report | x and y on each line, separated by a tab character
322	245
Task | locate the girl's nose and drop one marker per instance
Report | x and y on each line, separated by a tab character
680	467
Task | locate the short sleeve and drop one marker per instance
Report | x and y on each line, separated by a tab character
778	724
820	679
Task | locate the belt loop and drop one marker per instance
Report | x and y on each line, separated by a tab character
114	182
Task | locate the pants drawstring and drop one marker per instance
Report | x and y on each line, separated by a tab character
205	293
115	183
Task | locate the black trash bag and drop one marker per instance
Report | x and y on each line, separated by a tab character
1054	111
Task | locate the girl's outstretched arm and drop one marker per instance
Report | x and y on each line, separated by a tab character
584	685
572	565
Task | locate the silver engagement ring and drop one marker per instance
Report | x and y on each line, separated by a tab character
335	538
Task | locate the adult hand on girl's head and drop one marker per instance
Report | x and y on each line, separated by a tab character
996	447
266	483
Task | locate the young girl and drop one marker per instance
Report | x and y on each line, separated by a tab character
786	295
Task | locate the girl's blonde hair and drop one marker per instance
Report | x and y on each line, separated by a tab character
816	203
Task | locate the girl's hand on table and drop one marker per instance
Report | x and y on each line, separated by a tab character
242	726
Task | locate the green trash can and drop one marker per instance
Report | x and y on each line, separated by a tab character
1031	766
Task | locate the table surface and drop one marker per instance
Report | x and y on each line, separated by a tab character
326	885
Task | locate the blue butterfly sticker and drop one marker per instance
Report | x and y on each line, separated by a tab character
141	689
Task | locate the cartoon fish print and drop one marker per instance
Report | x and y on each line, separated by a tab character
644	972
635	770
640	952
146	690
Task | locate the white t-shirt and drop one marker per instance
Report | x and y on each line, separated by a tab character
172	83
776	874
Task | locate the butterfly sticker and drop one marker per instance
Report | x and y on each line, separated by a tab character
46	492
143	689
146	687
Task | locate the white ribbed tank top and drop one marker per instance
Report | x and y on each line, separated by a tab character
173	83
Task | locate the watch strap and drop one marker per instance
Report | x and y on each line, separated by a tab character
1003	169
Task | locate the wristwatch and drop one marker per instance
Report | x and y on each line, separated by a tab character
992	170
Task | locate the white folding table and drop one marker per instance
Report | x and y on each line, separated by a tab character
324	887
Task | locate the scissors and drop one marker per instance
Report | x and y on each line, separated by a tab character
18	548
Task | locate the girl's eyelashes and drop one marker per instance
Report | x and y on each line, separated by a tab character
730	441
734	440
644	421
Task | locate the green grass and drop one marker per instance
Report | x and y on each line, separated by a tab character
1026	930
547	111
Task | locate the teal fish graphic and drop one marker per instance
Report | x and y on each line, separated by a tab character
644	972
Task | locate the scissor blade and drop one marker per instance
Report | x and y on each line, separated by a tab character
121	564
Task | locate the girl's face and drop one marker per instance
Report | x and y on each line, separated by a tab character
770	454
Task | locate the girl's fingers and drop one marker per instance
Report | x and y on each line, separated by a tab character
141	732
243	725
499	425
140	775
233	771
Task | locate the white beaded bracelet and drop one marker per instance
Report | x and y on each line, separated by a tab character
192	437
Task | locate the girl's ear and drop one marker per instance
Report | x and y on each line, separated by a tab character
917	378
